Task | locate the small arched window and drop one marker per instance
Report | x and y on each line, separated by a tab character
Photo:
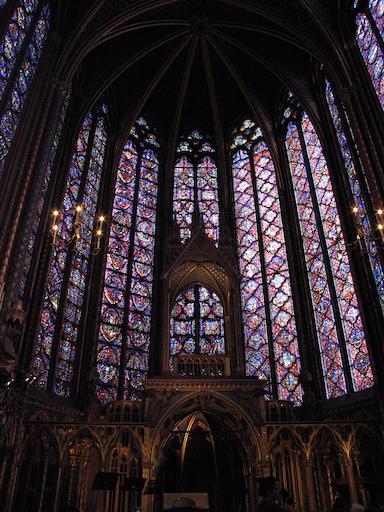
125	321
21	47
197	323
369	36
195	187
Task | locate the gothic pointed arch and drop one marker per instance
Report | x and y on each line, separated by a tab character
196	185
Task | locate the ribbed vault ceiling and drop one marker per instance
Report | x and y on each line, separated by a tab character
196	63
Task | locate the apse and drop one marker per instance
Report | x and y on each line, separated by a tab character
191	253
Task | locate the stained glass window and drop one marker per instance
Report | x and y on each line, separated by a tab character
125	322
333	293
38	200
184	194
267	305
197	323
377	10
196	186
356	187
370	34
20	50
56	341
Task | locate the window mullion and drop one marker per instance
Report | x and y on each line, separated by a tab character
128	292
196	207
197	315
275	393
327	263
374	28
69	263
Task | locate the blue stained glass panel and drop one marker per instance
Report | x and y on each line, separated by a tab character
371	51
328	339
40	199
358	356
361	216
79	266
125	322
12	112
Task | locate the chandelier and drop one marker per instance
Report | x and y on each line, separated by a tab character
76	236
364	229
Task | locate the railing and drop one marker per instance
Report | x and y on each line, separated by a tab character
201	365
279	410
127	411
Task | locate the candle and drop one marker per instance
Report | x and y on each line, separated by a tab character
99	232
100	223
55	226
78	210
380	220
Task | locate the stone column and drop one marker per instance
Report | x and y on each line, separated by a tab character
4	455
71	466
351	481
146	499
56	502
43	480
15	458
311	496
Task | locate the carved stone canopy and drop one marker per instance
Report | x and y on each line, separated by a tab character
200	261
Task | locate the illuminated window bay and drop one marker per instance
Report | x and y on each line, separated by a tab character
20	50
125	321
197	323
370	33
334	299
271	346
356	188
195	188
61	312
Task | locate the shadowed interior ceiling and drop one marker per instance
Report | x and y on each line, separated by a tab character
197	63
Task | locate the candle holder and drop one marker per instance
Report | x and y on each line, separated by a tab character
55	226
365	233
98	235
57	218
